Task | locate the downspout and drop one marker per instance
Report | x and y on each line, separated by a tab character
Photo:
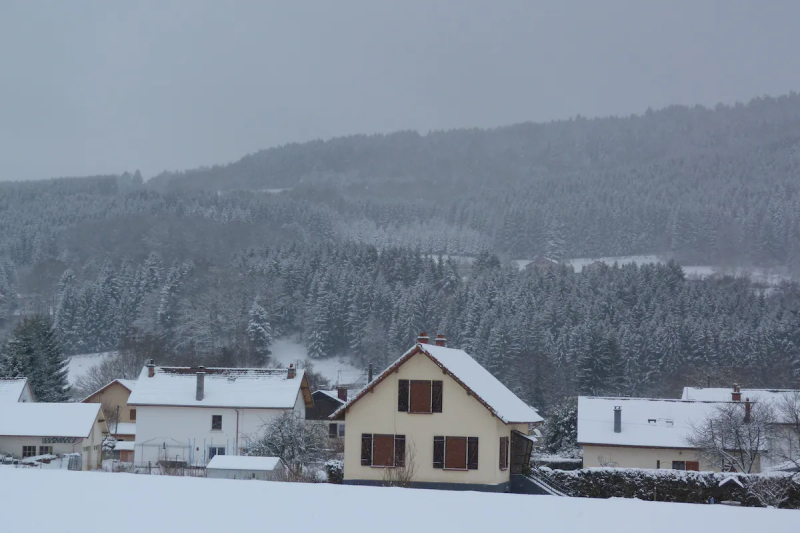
237	432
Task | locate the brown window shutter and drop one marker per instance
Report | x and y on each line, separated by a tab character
438	452
420	396
472	453
402	395
693	466
436	396
383	450
400	450
366	449
455	452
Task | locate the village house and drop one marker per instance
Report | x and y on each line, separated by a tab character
439	415
246	467
642	432
120	417
35	429
782	430
189	415
15	390
325	404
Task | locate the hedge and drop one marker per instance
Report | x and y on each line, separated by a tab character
667	485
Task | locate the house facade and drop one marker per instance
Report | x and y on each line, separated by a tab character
120	416
439	417
189	415
34	429
15	390
325	404
642	432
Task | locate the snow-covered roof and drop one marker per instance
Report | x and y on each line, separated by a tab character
124	446
11	389
243	462
127	383
773	397
256	388
48	419
334	394
123	428
486	388
645	422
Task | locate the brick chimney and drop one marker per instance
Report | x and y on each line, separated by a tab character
341	392
423	338
747	408
291	372
736	395
617	419
151	368
441	340
201	383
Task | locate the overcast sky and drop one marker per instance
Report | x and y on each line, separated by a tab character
104	87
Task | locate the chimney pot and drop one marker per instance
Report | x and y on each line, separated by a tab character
341	392
423	338
617	419
441	340
736	395
201	383
151	368
291	372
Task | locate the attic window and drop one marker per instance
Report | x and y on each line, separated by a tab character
419	396
651	421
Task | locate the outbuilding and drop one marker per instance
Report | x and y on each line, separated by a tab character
246	467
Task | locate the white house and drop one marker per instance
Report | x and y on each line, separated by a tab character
33	429
641	432
15	390
189	415
439	416
245	467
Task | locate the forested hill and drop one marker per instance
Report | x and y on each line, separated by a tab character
716	186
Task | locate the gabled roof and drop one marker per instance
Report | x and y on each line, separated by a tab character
246	388
243	462
332	394
12	389
48	419
772	397
466	371
129	384
122	428
646	422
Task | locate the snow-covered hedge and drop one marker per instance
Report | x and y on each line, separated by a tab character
670	485
335	471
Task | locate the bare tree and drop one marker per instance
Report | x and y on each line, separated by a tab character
123	365
769	490
734	437
296	441
785	438
402	476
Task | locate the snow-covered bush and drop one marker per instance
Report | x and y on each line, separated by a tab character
335	471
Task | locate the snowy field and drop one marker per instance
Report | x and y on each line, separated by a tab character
334	369
172	504
80	364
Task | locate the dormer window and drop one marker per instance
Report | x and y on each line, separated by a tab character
419	396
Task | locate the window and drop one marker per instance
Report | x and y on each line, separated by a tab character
679	465
133	414
28	451
332	431
341	430
45	450
503	453
216	422
419	396
383	450
455	453
215	450
658	463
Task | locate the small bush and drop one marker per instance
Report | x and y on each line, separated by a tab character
335	471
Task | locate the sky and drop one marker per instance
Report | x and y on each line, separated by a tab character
102	87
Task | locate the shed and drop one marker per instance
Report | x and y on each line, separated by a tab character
246	467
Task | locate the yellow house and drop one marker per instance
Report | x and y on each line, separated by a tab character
120	417
436	419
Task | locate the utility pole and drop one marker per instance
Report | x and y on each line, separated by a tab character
116	428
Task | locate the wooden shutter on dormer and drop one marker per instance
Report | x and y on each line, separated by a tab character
402	395
436	396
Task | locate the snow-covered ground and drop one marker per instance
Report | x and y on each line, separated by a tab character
175	504
334	369
80	364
